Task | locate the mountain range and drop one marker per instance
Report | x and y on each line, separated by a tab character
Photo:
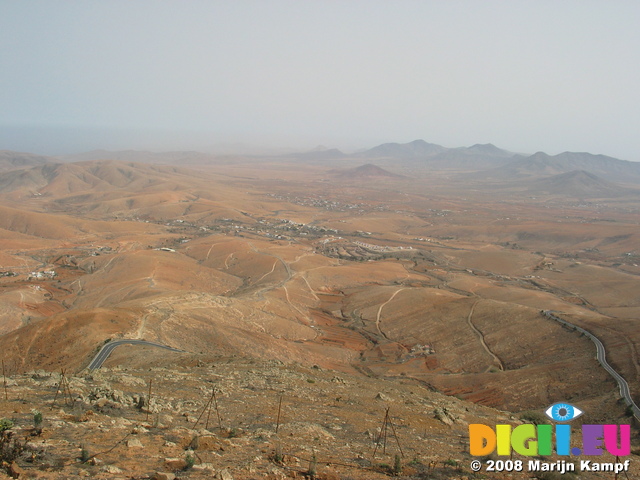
541	164
480	163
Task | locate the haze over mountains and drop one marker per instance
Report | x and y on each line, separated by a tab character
13	160
479	164
578	183
507	165
367	171
541	164
415	149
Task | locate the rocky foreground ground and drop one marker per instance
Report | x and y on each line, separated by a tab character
266	420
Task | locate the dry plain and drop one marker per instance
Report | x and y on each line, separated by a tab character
400	275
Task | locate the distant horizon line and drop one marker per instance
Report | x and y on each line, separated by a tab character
92	139
286	151
260	151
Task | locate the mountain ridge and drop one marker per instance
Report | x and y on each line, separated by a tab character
542	164
367	170
416	148
578	183
10	160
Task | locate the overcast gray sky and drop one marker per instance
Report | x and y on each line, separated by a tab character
524	75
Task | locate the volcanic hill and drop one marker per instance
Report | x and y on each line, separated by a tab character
365	171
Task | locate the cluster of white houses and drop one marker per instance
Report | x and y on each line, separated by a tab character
380	248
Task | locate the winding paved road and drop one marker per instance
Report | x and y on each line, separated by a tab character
601	356
106	350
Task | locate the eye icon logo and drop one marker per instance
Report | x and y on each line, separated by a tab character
563	412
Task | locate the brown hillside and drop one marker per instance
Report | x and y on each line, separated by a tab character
273	259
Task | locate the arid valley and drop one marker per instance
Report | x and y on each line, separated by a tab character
408	276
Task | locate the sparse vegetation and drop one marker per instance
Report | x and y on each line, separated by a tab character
190	461
397	465
37	422
84	454
5	424
278	457
312	471
535	417
11	448
37	418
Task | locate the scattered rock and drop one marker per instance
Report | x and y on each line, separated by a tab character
163	476
120	422
224	475
86	416
445	415
345	429
15	470
165	419
111	469
134	443
132	381
205	467
383	397
208	442
276	473
174	464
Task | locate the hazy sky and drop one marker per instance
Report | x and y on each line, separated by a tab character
524	75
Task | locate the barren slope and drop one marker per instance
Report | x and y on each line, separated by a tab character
385	278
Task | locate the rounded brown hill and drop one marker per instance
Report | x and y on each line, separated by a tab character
578	183
368	170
